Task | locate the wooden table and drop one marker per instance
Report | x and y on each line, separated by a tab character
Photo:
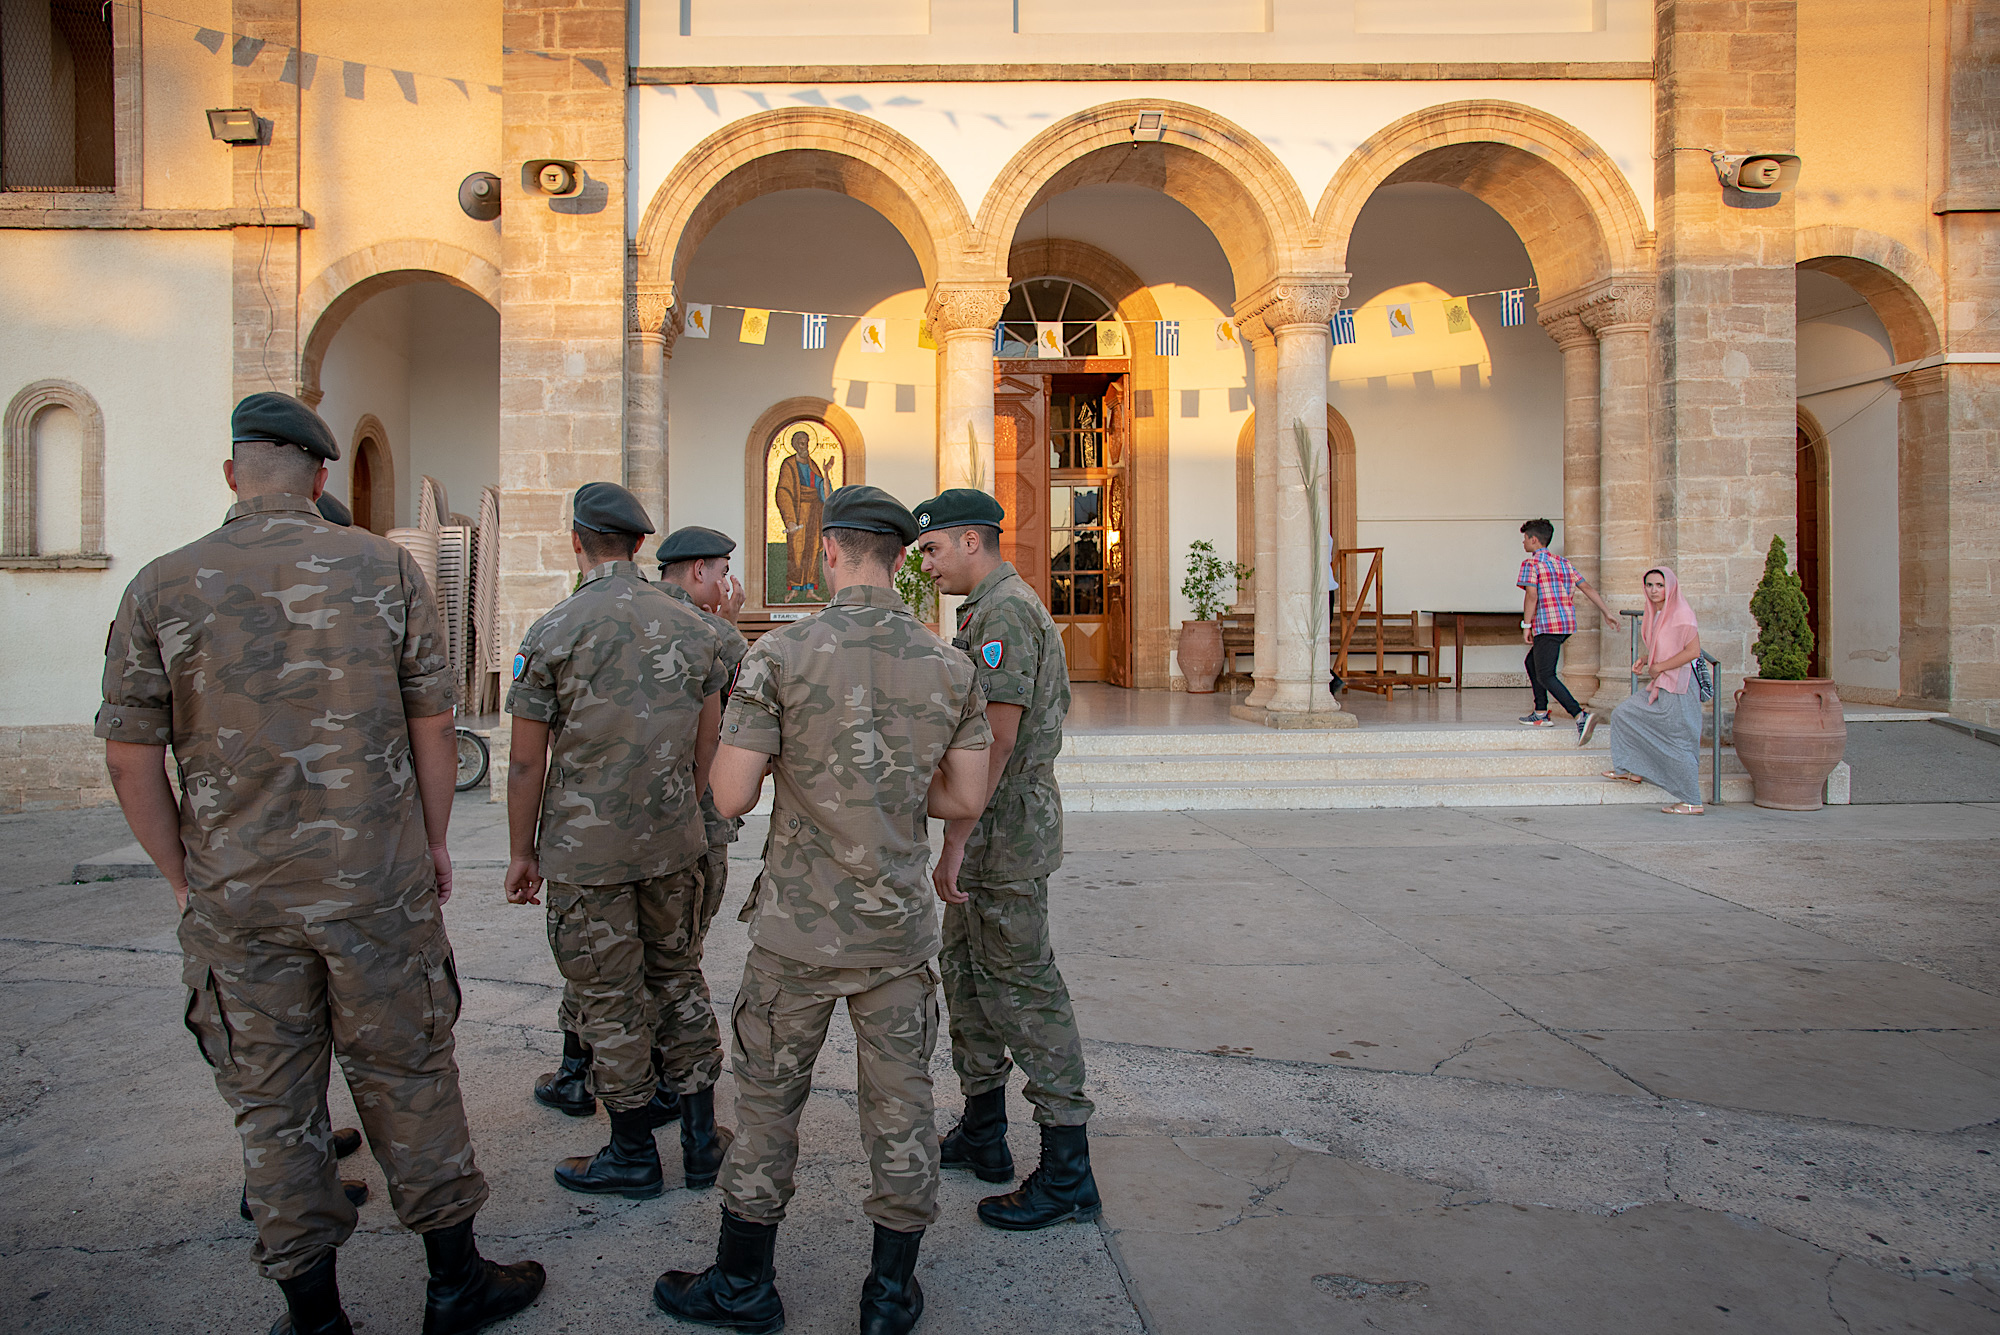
1460	621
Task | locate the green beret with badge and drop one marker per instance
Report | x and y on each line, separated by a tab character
280	419
606	507
958	507
870	509
694	543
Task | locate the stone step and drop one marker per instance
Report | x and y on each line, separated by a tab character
1349	741
1393	765
1314	795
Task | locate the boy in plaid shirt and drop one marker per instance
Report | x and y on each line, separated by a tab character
1548	617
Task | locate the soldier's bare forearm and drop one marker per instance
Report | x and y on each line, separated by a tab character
736	780
958	789
139	778
434	751
527	769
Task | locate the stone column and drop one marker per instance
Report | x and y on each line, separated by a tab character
264	261
649	313
1296	316
962	316
1580	486
1627	546
1264	428
1923	539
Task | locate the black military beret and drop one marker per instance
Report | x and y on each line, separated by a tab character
694	543
606	507
282	419
959	506
333	512
872	510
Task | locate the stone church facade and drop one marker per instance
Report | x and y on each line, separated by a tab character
1217	206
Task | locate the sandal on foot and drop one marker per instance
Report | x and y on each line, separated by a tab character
1684	809
1622	778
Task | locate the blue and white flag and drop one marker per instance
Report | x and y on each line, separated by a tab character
814	337
1343	327
1513	310
999	338
1167	338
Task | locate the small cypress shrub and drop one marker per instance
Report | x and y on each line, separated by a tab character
1784	639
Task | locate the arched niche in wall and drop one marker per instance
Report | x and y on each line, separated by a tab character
30	496
371	477
782	497
1815	540
1340	480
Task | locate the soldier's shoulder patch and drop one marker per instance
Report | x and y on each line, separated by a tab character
992	652
520	665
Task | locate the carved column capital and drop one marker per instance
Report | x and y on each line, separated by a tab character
647	309
1295	301
1621	307
1568	329
956	308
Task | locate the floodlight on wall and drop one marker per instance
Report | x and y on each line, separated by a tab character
235	125
551	176
1755	180
1150	128
479	196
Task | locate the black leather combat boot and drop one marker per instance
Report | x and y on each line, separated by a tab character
467	1292
704	1145
979	1141
1060	1188
891	1299
357	1196
312	1303
567	1089
629	1166
738	1292
666	1105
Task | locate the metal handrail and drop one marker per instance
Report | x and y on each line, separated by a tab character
1714	708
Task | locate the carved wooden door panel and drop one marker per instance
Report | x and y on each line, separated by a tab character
1117	586
1021	476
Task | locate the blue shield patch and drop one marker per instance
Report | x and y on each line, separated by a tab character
520	665
991	652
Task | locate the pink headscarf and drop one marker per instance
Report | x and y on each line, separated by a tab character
1666	633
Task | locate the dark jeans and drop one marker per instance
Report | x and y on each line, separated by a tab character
1542	675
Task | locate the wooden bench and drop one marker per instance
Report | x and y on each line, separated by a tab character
1239	637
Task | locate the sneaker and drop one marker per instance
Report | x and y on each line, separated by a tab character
1536	721
1586	724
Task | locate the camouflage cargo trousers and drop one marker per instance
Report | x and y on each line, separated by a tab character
780	1019
715	880
1004	992
270	1006
630	957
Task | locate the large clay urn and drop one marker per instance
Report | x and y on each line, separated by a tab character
1200	653
1790	735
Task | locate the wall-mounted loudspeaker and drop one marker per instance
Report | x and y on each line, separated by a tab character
551	176
479	196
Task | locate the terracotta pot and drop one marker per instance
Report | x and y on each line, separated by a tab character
1789	735
1200	653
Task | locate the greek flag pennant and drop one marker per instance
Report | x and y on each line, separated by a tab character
1342	325
699	319
1513	307
999	339
1167	338
814	336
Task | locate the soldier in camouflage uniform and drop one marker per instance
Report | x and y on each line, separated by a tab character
299	673
616	703
868	720
1000	975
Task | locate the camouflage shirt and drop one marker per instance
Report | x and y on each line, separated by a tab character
1018	656
619	671
721	829
859	704
281	657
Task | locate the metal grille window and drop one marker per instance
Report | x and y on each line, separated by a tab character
1050	301
57	119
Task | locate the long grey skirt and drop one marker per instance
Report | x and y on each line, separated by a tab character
1660	741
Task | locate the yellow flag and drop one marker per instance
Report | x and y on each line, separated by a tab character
756	324
924	338
1110	338
1457	319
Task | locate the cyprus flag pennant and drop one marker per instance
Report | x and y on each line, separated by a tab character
756	323
1457	319
1048	339
1225	335
698	320
874	335
1400	325
1110	338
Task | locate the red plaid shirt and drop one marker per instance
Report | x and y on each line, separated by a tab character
1554	580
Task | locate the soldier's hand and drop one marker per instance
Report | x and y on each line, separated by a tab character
181	897
733	599
945	874
524	880
441	859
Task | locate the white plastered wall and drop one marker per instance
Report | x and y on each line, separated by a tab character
116	313
1839	337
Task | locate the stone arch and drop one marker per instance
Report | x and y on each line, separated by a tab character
803	148
1904	292
17	450
371	456
345	284
1564	197
1221	172
854	470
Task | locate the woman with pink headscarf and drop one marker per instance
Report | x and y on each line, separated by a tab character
1656	734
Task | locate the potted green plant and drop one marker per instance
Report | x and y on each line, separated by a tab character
917	589
1789	730
1200	647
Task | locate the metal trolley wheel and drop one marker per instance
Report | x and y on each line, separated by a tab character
473	759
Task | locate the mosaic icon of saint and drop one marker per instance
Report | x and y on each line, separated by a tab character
800	495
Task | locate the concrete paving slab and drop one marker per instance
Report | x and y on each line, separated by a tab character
1886	1079
1556	943
1239	1235
1420	827
1536	1057
1589	827
1896	763
1088	832
1472	879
